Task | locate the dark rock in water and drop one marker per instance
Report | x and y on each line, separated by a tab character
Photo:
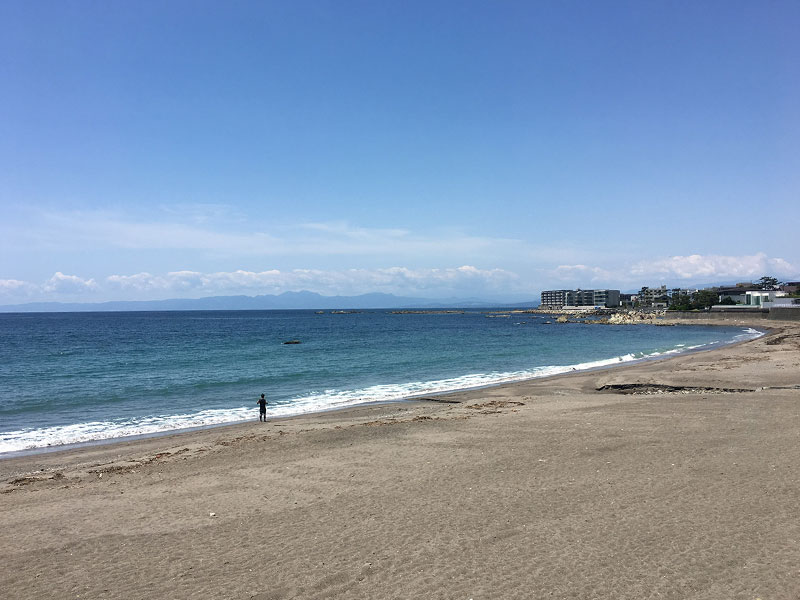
427	312
292	342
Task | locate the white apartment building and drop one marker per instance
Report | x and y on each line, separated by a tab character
558	299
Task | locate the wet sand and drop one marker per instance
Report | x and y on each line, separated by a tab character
669	479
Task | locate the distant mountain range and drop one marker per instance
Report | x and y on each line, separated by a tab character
286	301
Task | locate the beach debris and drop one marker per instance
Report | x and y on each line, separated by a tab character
25	480
212	514
780	339
495	404
443	400
657	388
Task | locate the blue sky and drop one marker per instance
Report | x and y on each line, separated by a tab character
493	149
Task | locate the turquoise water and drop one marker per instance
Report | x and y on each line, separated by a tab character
79	377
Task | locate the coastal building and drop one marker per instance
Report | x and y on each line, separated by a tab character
738	294
558	299
627	300
761	297
682	292
607	298
653	296
662	296
554	299
749	297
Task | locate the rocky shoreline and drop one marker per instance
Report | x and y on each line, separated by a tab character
608	316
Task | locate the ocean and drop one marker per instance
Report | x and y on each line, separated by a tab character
68	378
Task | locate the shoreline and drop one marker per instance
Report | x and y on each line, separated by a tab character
758	326
354	411
673	478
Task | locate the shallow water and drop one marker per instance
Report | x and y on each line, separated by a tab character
77	377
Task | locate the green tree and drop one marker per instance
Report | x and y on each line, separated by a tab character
705	299
681	302
728	301
768	283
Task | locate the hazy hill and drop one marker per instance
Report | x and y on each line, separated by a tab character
287	300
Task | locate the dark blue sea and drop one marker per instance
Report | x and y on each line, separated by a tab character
79	377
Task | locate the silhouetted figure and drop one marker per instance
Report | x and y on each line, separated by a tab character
262	408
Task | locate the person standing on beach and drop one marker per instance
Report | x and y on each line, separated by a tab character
262	408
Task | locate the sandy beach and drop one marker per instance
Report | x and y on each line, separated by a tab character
671	479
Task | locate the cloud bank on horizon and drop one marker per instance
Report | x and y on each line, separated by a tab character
434	283
428	149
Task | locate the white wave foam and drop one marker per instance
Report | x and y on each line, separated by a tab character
748	334
31	439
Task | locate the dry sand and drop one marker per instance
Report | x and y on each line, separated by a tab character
680	482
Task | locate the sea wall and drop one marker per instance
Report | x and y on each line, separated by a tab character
772	314
721	315
785	313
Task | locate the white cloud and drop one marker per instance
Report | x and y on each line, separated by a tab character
464	280
436	282
58	287
68	284
569	273
714	267
15	287
346	230
139	282
695	268
201	213
13	284
400	280
226	237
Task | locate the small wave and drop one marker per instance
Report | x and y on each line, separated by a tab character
748	334
30	439
39	438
